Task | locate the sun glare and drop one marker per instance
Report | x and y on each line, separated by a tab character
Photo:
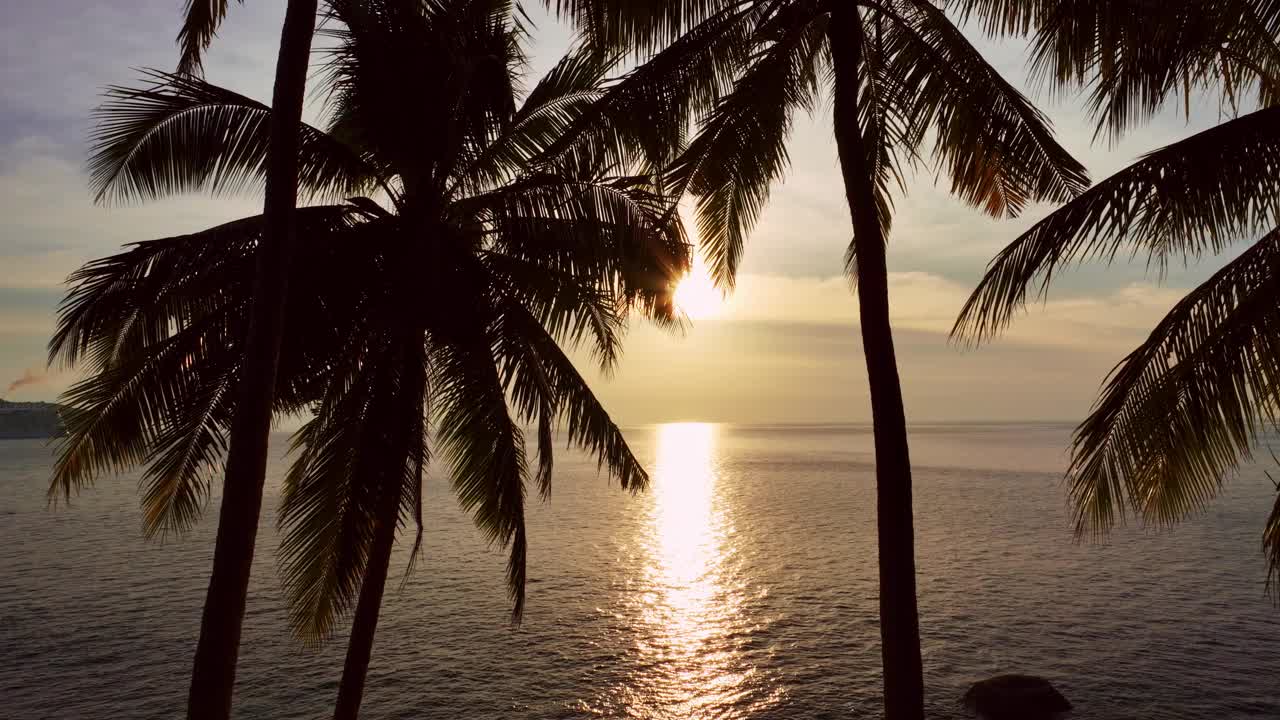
696	294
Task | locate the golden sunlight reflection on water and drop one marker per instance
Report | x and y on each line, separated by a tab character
692	662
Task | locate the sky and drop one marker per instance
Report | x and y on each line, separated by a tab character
784	347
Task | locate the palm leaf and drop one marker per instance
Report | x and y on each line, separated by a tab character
642	27
1271	547
617	236
1134	60
117	416
997	148
642	119
482	444
161	327
741	148
188	449
200	24
328	509
178	133
536	366
556	103
1181	411
570	308
1171	203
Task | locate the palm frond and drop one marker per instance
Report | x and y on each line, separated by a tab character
556	103
642	120
740	150
642	27
117	417
995	146
178	133
1171	203
1271	547
467	56
1181	411
1135	60
482	444
136	298
199	26
568	305
542	377
419	456
1002	17
616	235
189	447
160	326
328	509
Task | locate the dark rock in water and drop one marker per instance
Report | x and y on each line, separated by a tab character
1016	697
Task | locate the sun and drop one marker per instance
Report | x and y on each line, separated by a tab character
696	294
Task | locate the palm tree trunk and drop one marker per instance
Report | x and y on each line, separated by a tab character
213	677
365	623
899	621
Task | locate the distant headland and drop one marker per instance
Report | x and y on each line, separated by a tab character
29	420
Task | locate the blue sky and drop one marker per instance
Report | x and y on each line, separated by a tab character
784	348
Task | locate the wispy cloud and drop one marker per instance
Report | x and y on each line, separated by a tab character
30	376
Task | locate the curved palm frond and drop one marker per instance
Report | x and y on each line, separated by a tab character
199	26
570	308
117	418
483	445
436	130
1002	17
1181	411
328	508
181	134
1271	547
1135	59
418	457
161	326
642	119
544	380
740	150
134	299
997	148
554	105
615	234
189	447
1170	203
640	27
1136	56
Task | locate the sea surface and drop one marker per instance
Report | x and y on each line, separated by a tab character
741	585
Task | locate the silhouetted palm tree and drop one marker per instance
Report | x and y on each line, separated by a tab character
1182	411
456	297
214	670
905	83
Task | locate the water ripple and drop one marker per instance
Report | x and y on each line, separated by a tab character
742	585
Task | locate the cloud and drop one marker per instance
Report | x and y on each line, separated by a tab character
30	376
929	302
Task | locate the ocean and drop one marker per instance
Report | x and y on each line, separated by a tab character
741	585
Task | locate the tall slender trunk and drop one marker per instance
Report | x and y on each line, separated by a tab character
214	673
899	620
365	623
